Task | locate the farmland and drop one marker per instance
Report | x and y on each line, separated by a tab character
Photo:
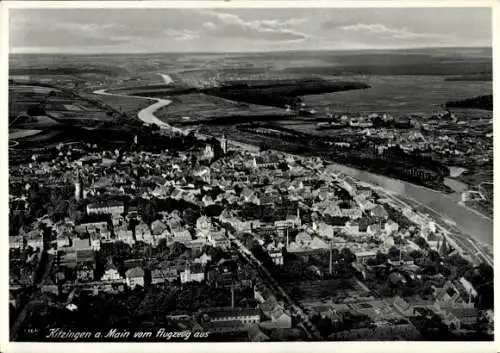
197	107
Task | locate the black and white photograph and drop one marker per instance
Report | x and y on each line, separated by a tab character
249	174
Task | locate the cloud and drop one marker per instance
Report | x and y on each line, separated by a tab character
384	31
222	24
140	30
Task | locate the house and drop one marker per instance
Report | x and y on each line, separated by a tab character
181	235
324	230
303	239
318	243
134	277
265	161
95	241
50	287
276	255
391	227
468	287
158	276
143	233
219	239
62	240
363	256
92	227
203	226
81	244
158	227
279	318
203	259
168	273
124	235
111	273
193	273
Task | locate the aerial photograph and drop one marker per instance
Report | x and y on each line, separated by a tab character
250	175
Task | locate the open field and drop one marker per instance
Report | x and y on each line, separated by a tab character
128	105
199	107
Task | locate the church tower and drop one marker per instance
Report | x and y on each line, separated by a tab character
78	186
223	143
443	249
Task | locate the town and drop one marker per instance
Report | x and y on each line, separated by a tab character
230	243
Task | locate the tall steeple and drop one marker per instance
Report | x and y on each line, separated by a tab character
223	143
443	250
78	186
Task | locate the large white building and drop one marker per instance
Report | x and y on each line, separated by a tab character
113	208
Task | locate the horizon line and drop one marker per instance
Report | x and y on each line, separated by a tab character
258	51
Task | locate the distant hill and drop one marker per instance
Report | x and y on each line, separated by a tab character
481	102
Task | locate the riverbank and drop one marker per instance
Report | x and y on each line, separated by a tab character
470	222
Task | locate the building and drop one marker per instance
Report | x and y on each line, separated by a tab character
111	273
223	143
219	239
468	288
158	276
203	226
93	227
78	186
193	273
268	161
276	256
143	233
279	319
181	235
364	256
134	277
208	153
111	207
243	315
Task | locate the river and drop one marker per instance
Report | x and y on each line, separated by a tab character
469	221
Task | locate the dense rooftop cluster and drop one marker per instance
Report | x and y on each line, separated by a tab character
211	239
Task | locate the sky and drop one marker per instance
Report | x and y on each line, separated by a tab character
241	30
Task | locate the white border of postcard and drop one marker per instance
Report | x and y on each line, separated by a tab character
337	347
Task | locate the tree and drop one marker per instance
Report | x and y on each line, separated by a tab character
348	256
393	253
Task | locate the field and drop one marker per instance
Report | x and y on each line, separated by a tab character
197	107
127	105
404	81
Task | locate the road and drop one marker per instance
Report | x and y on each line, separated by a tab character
311	331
